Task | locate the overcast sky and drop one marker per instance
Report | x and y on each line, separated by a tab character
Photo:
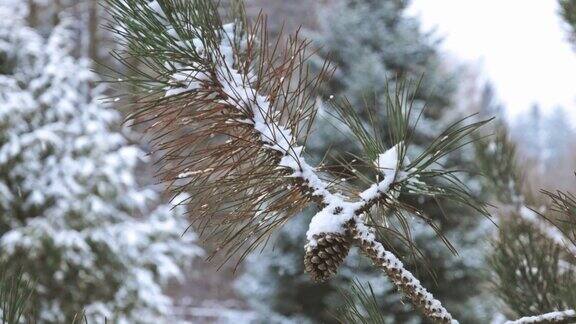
521	46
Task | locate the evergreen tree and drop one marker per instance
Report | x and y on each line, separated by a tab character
73	216
373	44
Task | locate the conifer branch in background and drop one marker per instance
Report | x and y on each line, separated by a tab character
227	107
497	159
533	259
552	317
564	204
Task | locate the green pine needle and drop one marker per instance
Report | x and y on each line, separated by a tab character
563	204
152	50
15	296
360	306
424	176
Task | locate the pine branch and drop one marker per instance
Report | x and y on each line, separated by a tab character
221	141
400	277
423	176
227	114
566	316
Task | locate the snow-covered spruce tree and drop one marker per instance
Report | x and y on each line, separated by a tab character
69	199
373	44
534	258
227	107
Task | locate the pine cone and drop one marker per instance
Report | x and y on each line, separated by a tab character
323	260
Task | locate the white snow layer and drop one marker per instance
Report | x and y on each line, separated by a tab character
552	317
392	262
387	163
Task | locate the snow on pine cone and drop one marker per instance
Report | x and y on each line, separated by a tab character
323	260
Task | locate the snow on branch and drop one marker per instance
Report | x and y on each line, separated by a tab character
402	278
552	317
338	212
274	137
241	96
341	217
387	164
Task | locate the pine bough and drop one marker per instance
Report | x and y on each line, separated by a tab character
227	106
535	250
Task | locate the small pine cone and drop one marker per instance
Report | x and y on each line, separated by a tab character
323	260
